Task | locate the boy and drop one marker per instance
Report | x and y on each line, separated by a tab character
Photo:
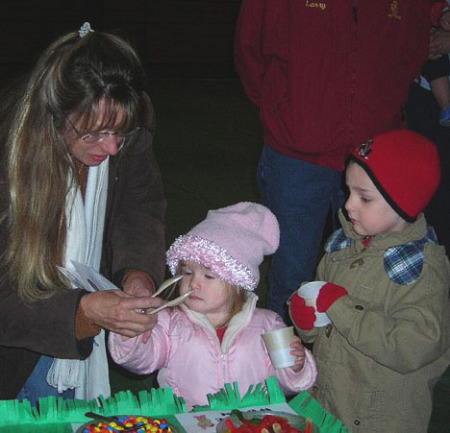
387	292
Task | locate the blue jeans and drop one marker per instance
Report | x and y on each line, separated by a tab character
36	385
300	195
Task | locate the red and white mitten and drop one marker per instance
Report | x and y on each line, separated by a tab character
329	293
302	315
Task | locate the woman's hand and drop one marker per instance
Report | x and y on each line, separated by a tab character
120	312
138	283
299	352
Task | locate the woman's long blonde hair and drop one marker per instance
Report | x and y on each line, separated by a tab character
70	78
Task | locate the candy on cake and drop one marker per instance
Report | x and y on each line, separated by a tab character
128	424
268	423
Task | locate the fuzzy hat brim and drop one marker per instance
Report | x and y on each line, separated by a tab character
207	253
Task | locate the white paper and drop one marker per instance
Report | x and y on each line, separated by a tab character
85	277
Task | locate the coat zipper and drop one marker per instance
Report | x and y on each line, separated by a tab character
355	11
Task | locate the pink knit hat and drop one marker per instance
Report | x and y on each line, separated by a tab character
231	241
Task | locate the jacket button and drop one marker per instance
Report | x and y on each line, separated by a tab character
357	262
328	329
359	307
356	422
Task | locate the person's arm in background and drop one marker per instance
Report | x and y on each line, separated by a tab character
437	8
439	39
248	58
444	20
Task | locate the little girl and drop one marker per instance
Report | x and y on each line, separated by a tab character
386	293
215	336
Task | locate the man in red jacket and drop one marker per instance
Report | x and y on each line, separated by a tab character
326	76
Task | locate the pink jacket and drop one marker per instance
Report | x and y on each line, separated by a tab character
186	351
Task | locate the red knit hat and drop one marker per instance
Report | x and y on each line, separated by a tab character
404	166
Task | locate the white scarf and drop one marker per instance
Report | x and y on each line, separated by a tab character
85	223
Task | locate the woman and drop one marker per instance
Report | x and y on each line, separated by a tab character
79	182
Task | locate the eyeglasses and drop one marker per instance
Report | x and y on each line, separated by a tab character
98	137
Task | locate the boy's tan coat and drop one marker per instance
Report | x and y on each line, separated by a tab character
388	343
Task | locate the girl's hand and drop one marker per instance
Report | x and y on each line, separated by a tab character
299	351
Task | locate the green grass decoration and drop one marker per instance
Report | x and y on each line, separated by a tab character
11	410
228	398
305	405
158	402
53	410
57	410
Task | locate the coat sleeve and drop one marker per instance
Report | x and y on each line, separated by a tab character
248	56
291	382
138	357
135	237
44	326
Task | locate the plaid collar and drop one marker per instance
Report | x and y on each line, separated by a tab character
403	263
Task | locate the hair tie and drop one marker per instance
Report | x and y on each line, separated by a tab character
84	30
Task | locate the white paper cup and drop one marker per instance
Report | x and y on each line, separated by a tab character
277	343
309	292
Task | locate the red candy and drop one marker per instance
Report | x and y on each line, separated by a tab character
267	424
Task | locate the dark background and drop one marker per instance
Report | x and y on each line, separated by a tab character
208	134
164	32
